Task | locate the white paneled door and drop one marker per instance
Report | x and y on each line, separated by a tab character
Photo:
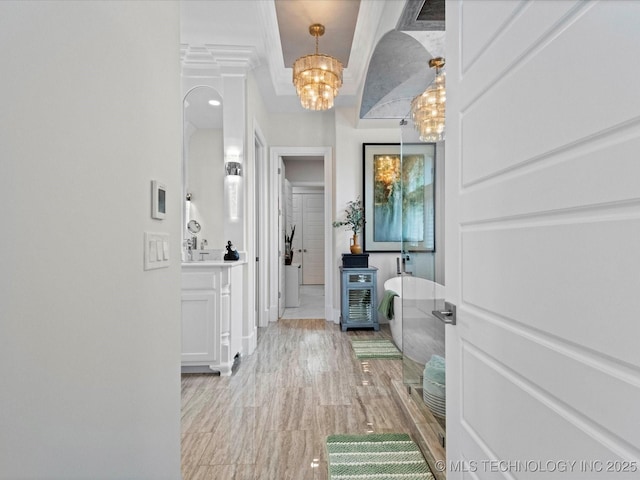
313	239
297	221
282	200
308	216
543	239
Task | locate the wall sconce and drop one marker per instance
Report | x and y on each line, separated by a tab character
233	168
233	172
187	207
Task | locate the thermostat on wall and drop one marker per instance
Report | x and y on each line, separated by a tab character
158	200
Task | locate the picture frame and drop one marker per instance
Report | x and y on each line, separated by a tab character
399	197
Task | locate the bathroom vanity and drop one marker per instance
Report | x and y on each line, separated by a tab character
212	313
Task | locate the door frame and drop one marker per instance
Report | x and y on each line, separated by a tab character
271	199
259	269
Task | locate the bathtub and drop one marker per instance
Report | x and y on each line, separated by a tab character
415	330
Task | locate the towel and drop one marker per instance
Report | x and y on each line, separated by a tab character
433	380
386	304
435	369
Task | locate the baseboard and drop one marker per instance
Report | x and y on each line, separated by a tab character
250	342
273	313
425	429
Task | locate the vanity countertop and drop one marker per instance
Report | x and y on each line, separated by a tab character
214	258
213	263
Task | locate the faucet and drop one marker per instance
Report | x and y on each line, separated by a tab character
405	261
189	245
403	270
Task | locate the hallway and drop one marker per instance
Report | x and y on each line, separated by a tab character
311	303
269	420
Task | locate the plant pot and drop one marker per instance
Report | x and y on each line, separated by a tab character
355	247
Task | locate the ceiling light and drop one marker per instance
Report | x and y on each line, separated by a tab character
317	77
428	108
214	103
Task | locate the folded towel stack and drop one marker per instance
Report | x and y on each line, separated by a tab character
433	384
386	304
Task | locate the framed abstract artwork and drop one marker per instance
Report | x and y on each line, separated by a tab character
398	197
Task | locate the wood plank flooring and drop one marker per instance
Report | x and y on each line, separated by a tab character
270	419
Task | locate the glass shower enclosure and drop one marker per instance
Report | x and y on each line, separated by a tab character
421	270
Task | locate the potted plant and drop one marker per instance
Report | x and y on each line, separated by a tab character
354	220
288	246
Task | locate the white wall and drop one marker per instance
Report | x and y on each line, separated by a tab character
351	133
337	128
347	136
235	137
305	172
257	241
89	341
340	128
306	129
256	110
348	184
206	178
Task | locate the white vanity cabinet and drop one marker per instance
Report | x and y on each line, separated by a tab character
212	313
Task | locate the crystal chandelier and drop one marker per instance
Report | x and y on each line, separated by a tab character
427	109
317	77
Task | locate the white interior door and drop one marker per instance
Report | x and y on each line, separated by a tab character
258	231
308	244
313	238
297	221
282	196
542	230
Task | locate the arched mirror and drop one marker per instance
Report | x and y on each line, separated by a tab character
203	168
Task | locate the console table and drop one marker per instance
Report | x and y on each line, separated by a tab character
358	305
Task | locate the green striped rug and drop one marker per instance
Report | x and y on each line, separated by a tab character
379	348
385	456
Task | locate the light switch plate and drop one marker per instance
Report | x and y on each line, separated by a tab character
156	250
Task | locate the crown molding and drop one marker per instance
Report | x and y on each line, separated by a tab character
281	77
198	60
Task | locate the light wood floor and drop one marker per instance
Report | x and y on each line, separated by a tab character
269	420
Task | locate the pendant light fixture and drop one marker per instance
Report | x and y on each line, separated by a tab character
317	77
428	108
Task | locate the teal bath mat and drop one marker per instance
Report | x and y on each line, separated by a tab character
386	456
379	348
